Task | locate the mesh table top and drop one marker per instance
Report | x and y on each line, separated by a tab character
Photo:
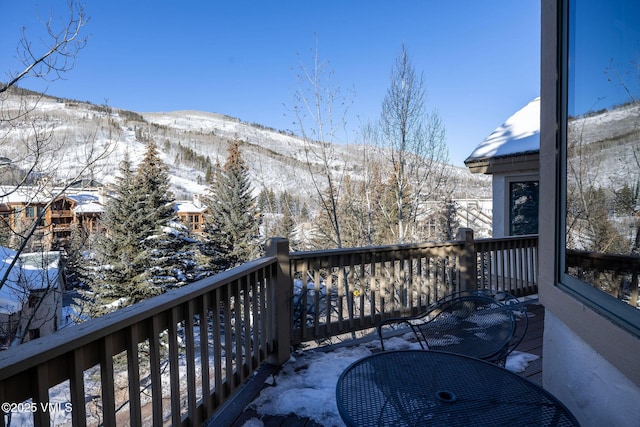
417	387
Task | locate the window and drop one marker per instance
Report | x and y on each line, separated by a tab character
40	211
600	156
34	212
523	208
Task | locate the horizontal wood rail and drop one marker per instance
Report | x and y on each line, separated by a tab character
61	213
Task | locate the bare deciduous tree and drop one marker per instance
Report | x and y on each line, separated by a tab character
414	143
320	111
28	145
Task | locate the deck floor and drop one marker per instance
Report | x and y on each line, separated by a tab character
532	343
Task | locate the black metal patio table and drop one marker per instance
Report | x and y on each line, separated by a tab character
433	388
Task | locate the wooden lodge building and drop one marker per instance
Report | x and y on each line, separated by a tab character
76	210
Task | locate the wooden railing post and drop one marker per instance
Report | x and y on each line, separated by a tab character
467	260
281	294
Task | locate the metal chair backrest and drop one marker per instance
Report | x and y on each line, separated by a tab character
482	324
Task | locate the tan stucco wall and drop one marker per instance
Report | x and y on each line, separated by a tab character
589	362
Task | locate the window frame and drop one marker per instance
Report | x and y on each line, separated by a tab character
618	312
508	202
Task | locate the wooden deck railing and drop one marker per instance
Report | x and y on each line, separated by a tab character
614	274
57	213
149	363
346	290
509	264
154	362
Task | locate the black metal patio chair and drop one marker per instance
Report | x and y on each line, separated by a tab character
484	324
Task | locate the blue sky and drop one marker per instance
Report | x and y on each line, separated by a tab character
603	63
480	59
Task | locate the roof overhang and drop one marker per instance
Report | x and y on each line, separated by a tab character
511	163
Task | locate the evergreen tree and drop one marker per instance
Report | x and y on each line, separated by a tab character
145	250
448	223
119	250
155	200
267	201
231	224
171	256
304	212
285	225
208	171
626	200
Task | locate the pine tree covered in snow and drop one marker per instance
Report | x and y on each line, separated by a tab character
122	274
231	226
171	249
285	225
144	250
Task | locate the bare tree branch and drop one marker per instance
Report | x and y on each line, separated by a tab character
320	112
61	51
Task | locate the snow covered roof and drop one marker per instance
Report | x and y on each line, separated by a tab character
86	203
89	207
520	134
33	271
22	195
83	198
188	207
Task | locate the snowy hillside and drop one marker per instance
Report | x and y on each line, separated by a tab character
605	146
185	139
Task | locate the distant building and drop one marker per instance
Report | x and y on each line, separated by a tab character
511	155
191	214
86	213
55	221
77	210
31	296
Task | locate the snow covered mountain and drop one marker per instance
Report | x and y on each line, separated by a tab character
187	141
604	147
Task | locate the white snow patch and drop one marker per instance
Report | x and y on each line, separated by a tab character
518	361
306	386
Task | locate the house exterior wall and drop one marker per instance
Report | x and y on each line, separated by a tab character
54	227
44	320
590	363
501	183
193	220
596	391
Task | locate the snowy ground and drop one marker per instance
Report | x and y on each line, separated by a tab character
306	385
